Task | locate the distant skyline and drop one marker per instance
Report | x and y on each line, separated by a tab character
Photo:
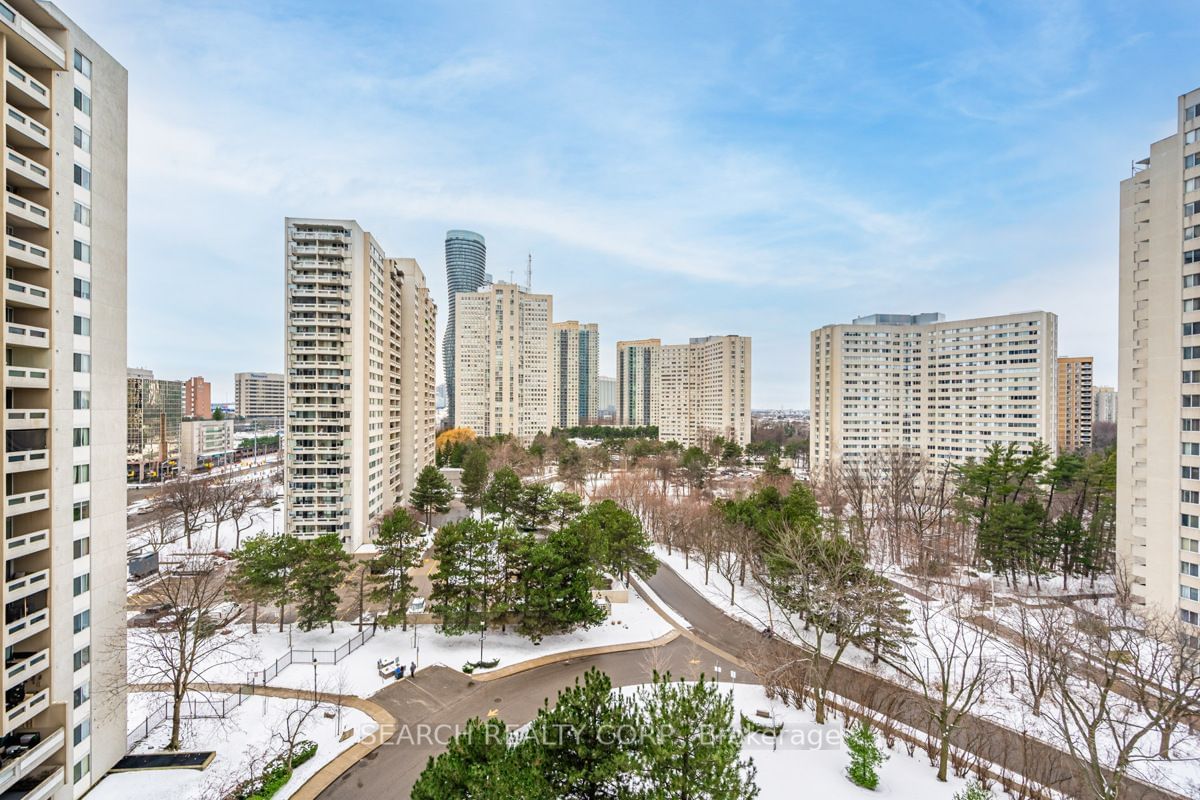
675	170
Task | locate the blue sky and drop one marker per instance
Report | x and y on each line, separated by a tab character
676	169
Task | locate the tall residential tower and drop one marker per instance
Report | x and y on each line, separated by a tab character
359	398
1158	412
574	374
466	271
502	361
944	390
65	134
1075	404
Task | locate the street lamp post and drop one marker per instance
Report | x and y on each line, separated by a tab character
416	647
314	677
482	629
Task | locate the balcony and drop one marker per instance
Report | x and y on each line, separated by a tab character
23	666
41	785
26	461
24	765
25	211
24	172
26	544
20	293
27	378
24	585
26	502
26	336
27	709
26	89
32	623
48	52
25	131
22	253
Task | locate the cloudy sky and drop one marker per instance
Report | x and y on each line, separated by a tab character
676	169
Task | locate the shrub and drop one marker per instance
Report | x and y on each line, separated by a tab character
974	791
865	756
275	774
754	726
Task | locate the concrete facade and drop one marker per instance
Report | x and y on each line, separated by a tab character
502	361
1105	404
943	389
197	398
358	351
205	443
1075	404
638	382
259	394
1158	409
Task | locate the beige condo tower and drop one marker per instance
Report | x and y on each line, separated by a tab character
1158	409
574	374
360	384
1076	405
65	131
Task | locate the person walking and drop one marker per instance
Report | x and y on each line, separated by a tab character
412	670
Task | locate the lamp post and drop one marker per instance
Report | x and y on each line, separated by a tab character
314	677
416	647
482	629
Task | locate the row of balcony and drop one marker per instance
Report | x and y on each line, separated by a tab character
20	293
26	336
318	236
26	89
21	210
24	130
17	771
22	171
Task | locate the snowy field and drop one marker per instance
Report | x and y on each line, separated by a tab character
1002	706
814	757
357	674
239	739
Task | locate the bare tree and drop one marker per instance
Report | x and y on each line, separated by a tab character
184	648
186	496
220	501
244	510
949	661
289	728
1041	641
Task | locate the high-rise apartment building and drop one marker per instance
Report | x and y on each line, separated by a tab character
197	398
154	409
259	395
693	392
65	125
638	382
574	374
466	271
1158	412
606	397
1105	402
704	391
357	328
945	390
502	361
1075	404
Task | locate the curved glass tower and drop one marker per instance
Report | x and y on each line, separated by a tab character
466	264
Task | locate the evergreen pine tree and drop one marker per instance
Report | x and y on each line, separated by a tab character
621	542
556	587
320	571
865	756
503	494
474	478
431	493
480	764
535	507
399	545
567	506
470	586
695	751
255	578
974	791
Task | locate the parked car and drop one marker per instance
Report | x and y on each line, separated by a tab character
417	605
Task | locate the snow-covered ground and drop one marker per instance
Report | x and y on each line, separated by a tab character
238	740
1002	706
357	674
814	757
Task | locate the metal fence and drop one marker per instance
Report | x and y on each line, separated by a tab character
202	707
310	656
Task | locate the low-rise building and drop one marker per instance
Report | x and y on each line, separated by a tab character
205	443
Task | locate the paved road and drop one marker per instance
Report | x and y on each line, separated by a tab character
441	696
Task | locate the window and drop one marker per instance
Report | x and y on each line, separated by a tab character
83	472
82	437
1189	161
1191	137
83	139
1189	496
1191	208
1189	545
1191	424
1194	279
82	693
83	620
1191	328
1190	617
83	178
83	102
83	399
83	326
1191	304
82	767
1191	351
1191	376
83	252
83	64
1189	593
81	547
83	288
83	362
83	730
83	510
1191	256
81	584
83	657
83	215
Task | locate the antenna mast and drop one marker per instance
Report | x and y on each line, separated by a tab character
529	274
